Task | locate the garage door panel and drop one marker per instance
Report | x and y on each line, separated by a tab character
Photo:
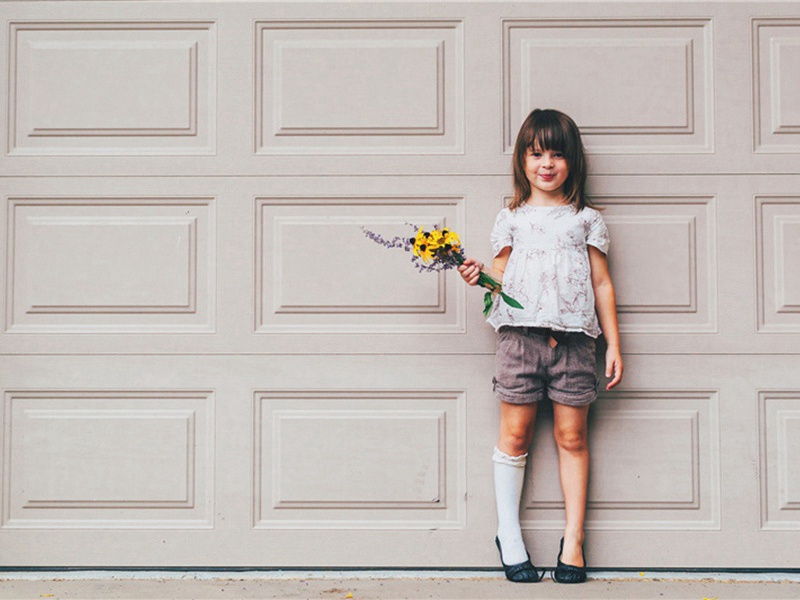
114	264
116	459
655	464
318	272
124	88
322	459
779	433
634	109
776	50
778	245
332	87
663	260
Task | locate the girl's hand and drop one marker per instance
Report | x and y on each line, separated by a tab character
470	270
614	367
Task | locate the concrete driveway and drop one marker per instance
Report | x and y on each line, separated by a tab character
385	585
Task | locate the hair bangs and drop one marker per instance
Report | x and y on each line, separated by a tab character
550	134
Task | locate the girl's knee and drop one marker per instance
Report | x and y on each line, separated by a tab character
514	440
572	440
516	428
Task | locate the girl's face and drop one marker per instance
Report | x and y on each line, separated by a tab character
546	170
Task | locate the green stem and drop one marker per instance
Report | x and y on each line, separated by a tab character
493	286
488	282
484	280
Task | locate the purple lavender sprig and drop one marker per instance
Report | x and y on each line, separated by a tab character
396	242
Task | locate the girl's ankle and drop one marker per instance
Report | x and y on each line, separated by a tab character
575	537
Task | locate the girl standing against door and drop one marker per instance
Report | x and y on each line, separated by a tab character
549	249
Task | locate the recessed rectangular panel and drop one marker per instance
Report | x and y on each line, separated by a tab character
318	271
601	73
112	88
347	87
110	264
359	459
660	274
104	457
103	262
645	100
649	458
654	464
777	247
787	58
52	66
662	259
789	440
776	62
311	279
343	456
779	433
787	251
107	459
369	85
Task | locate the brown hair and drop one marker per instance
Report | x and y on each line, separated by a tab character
551	130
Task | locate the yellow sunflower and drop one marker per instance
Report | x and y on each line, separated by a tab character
450	238
424	245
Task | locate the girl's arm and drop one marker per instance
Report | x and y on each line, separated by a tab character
606	305
472	268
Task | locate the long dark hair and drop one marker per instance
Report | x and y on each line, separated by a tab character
551	130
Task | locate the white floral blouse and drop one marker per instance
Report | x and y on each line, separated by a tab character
548	270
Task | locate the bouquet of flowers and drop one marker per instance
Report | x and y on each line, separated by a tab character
439	250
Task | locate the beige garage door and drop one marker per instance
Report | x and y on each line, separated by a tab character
206	363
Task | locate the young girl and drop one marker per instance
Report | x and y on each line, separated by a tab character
549	249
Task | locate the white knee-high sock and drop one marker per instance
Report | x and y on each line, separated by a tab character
509	474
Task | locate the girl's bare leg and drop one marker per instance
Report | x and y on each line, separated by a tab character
571	435
516	427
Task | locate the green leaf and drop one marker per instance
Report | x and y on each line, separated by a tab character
510	301
487	303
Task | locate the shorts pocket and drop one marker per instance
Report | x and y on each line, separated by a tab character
581	365
509	356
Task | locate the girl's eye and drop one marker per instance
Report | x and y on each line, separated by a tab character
558	155
536	154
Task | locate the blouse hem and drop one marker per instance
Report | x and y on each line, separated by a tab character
588	332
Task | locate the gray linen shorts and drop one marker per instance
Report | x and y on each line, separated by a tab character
528	369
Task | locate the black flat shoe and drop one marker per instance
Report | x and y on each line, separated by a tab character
523	572
564	573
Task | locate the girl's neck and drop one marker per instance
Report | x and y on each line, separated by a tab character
542	198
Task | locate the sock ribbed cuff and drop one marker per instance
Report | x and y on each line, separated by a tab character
514	461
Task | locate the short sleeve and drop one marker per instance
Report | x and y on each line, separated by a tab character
502	232
598	233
